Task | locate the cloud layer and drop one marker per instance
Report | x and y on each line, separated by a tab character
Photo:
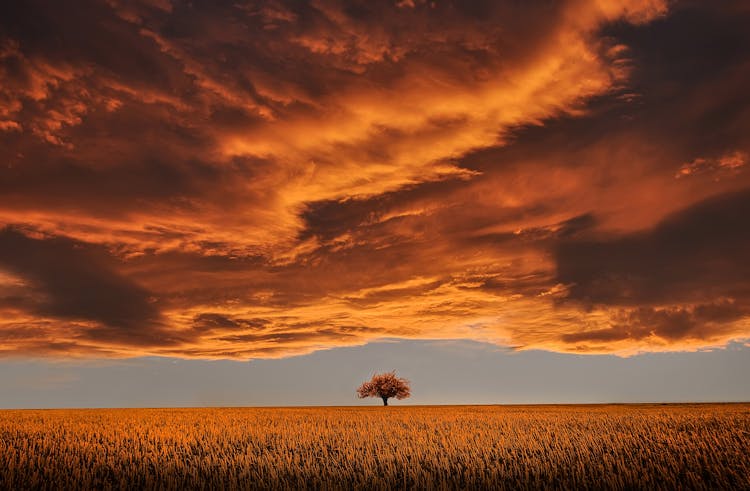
229	179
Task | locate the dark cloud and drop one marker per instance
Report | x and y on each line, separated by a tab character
76	281
689	70
700	322
697	253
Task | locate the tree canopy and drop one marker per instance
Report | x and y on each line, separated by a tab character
385	386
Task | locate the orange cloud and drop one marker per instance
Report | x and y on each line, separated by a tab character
260	180
726	165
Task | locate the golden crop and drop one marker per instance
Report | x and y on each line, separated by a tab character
448	447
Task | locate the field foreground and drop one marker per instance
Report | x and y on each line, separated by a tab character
618	446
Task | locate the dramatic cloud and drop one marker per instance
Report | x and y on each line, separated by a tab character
698	252
257	179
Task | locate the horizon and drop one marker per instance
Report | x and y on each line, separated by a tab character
593	404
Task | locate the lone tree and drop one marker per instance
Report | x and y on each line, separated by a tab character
385	386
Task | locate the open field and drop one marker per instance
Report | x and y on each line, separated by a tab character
615	446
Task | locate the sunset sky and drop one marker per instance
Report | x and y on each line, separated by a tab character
537	187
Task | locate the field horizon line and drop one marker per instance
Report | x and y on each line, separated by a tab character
399	406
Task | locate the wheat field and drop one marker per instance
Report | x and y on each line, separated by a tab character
426	447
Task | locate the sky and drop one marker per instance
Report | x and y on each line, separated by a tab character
440	372
246	188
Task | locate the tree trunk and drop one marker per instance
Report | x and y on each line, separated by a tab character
385	401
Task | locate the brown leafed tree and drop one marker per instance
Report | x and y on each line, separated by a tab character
385	386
